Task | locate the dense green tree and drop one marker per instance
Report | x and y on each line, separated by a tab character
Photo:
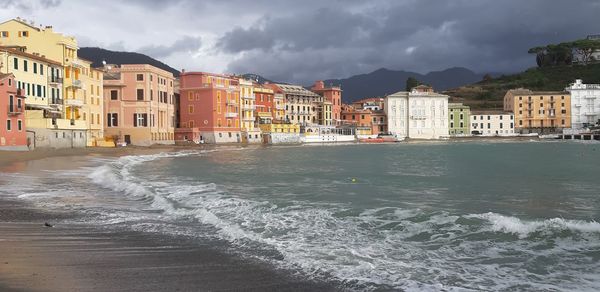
411	83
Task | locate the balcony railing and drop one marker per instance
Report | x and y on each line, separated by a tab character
248	107
73	102
14	110
76	84
248	119
247	96
56	101
231	102
55	80
231	115
279	107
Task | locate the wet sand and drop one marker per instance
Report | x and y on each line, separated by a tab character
85	258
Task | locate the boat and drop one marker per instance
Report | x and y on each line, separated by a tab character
381	138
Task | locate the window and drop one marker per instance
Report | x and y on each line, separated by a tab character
16	63
501	125
140	94
41	69
140	120
140	77
114	95
20	125
191	109
34	68
112	120
5	34
8	125
25	65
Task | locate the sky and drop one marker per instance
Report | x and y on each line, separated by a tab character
302	41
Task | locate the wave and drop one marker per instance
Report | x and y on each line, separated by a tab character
523	229
410	249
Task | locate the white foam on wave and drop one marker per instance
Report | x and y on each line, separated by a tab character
514	225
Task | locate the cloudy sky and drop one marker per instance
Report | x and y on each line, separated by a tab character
301	41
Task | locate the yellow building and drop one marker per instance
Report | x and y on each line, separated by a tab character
46	43
538	111
93	109
250	134
280	128
279	101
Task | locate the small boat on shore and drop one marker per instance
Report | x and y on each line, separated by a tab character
380	139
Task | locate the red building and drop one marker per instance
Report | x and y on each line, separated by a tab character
12	107
209	108
265	102
366	121
332	94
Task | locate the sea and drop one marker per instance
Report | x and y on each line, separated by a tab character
425	216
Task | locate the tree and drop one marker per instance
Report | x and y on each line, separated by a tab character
487	77
411	83
553	55
584	49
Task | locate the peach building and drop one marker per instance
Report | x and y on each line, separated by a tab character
139	104
12	107
209	108
333	95
538	111
249	131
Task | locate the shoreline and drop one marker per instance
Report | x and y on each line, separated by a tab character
9	157
74	257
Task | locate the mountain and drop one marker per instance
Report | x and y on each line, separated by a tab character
97	55
384	81
490	93
257	78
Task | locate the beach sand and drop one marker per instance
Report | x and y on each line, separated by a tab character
88	258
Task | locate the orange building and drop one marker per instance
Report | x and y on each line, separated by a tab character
332	94
12	106
539	111
209	108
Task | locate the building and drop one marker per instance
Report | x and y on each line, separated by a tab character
332	110
540	111
419	114
373	103
265	104
93	103
139	104
250	133
13	135
279	112
366	122
209	108
301	106
585	104
492	123
459	115
53	127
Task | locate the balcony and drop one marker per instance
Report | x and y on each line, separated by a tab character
248	119
247	96
589	97
231	115
76	84
280	107
231	102
248	107
56	101
73	102
54	81
14	110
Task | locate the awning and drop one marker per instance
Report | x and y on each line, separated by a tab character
40	106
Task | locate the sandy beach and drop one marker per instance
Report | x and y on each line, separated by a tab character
79	257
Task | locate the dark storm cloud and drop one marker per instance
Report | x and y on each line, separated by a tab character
486	36
187	43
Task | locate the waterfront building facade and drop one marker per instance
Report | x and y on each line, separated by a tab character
209	108
459	115
139	104
492	123
419	114
93	104
53	127
13	135
249	132
585	104
332	103
301	106
539	111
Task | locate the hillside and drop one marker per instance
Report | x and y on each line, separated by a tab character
384	81
97	55
489	94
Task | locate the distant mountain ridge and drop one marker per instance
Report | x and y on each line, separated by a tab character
97	55
383	82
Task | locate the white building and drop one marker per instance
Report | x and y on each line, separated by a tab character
419	114
585	104
487	123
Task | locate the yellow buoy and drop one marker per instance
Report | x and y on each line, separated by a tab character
353	180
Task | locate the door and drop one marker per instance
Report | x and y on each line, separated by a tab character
128	139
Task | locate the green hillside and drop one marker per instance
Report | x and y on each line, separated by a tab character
488	94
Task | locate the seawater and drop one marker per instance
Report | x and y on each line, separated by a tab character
424	216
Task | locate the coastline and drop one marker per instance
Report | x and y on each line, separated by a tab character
86	258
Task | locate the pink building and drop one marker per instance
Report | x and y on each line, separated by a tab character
332	94
209	108
12	107
139	104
